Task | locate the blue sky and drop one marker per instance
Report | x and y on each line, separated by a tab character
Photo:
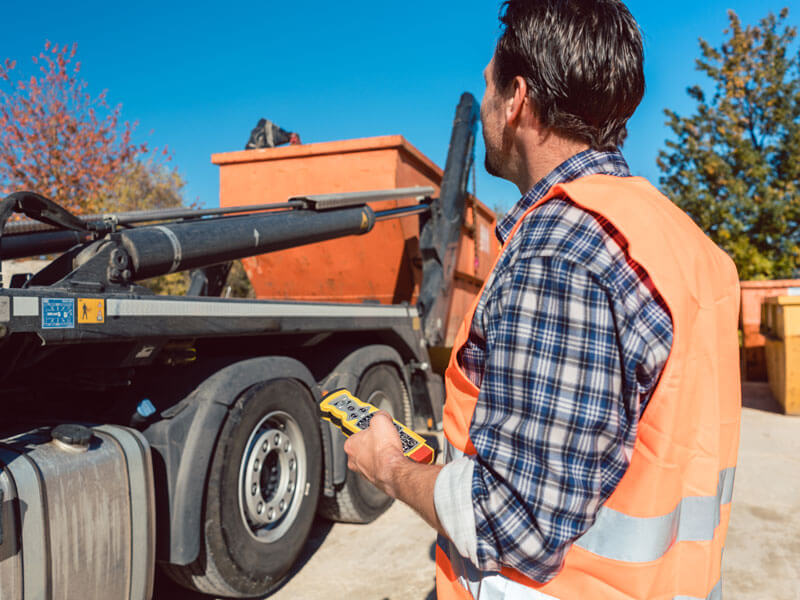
197	76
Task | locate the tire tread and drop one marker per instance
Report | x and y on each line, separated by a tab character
342	507
203	575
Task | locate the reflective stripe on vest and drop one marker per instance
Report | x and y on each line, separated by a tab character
621	537
615	536
491	585
660	534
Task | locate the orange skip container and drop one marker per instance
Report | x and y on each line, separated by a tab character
383	265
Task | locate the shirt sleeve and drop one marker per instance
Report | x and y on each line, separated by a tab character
551	430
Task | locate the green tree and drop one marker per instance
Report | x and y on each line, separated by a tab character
734	165
143	186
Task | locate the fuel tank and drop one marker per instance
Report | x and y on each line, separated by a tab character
77	514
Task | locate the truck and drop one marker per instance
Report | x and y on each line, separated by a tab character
142	430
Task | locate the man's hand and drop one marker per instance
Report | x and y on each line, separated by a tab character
377	454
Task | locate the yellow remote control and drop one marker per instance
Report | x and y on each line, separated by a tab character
352	415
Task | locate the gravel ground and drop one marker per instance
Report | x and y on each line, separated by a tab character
762	552
392	558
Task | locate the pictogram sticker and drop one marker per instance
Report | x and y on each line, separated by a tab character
58	313
91	310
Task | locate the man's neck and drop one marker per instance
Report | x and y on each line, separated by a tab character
540	157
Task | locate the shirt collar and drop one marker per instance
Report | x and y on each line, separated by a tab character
588	162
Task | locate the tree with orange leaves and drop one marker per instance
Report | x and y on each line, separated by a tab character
58	140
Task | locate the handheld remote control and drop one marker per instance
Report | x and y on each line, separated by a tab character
351	415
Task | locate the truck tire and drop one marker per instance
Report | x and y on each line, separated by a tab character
261	495
358	501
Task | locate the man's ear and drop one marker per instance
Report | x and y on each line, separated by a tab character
518	101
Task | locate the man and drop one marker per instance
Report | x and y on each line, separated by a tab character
593	400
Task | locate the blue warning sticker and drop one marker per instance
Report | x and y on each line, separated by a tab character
58	313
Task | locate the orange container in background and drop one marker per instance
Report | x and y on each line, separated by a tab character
383	265
754	367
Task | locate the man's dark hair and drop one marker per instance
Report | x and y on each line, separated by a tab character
582	61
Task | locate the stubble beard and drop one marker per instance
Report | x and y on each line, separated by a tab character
492	159
496	159
491	163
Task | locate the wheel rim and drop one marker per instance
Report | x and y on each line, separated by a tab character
271	475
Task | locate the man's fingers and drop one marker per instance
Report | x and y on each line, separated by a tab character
371	450
383	415
380	433
351	443
350	446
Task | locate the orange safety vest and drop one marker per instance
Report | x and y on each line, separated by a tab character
660	534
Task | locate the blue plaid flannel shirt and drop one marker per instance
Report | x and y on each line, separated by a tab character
566	346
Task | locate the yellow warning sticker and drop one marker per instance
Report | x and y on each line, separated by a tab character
91	310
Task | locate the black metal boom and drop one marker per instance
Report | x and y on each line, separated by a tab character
108	251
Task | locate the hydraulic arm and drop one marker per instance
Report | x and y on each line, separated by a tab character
110	251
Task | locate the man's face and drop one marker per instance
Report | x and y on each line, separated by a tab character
493	124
